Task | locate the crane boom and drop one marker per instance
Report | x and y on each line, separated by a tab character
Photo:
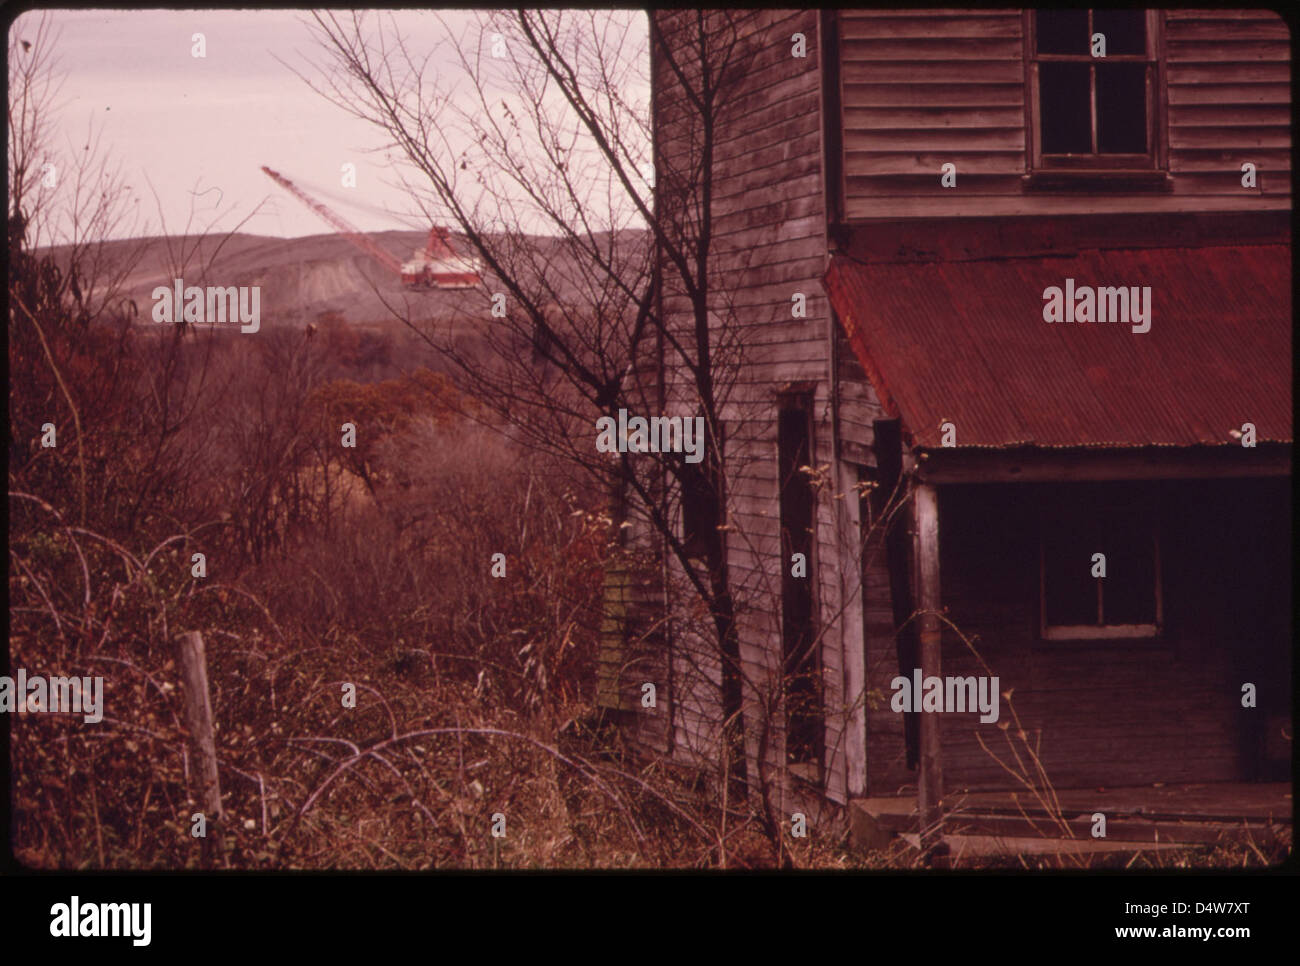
336	222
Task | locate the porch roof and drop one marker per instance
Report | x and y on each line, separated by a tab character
966	342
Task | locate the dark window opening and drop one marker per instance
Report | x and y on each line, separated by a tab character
803	719
1125	30
699	506
1064	96
1126	601
1121	108
1063	31
1093	112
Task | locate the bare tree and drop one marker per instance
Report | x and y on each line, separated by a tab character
538	150
71	198
33	88
64	205
127	401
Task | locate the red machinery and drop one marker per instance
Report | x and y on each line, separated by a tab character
435	266
438	265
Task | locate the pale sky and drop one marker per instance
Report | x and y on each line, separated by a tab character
214	121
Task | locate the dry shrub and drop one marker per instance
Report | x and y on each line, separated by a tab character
409	575
463	680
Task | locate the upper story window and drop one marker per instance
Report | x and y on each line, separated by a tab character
1093	81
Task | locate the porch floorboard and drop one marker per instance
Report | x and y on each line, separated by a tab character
1164	816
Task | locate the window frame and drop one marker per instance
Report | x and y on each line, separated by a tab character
1054	170
1100	631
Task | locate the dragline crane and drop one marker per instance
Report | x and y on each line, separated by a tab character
437	265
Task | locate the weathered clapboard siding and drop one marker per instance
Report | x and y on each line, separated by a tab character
924	89
859	407
631	647
769	236
921	88
632	650
1109	713
1229	70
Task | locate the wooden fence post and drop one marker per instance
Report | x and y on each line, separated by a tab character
198	718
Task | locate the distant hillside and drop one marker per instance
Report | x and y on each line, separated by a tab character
303	279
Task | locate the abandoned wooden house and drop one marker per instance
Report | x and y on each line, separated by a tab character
1017	385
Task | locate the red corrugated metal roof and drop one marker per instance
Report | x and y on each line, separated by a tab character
966	342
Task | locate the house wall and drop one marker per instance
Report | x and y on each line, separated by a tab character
1113	712
632	648
770	243
921	88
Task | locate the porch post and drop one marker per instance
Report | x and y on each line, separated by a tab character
925	536
853	601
